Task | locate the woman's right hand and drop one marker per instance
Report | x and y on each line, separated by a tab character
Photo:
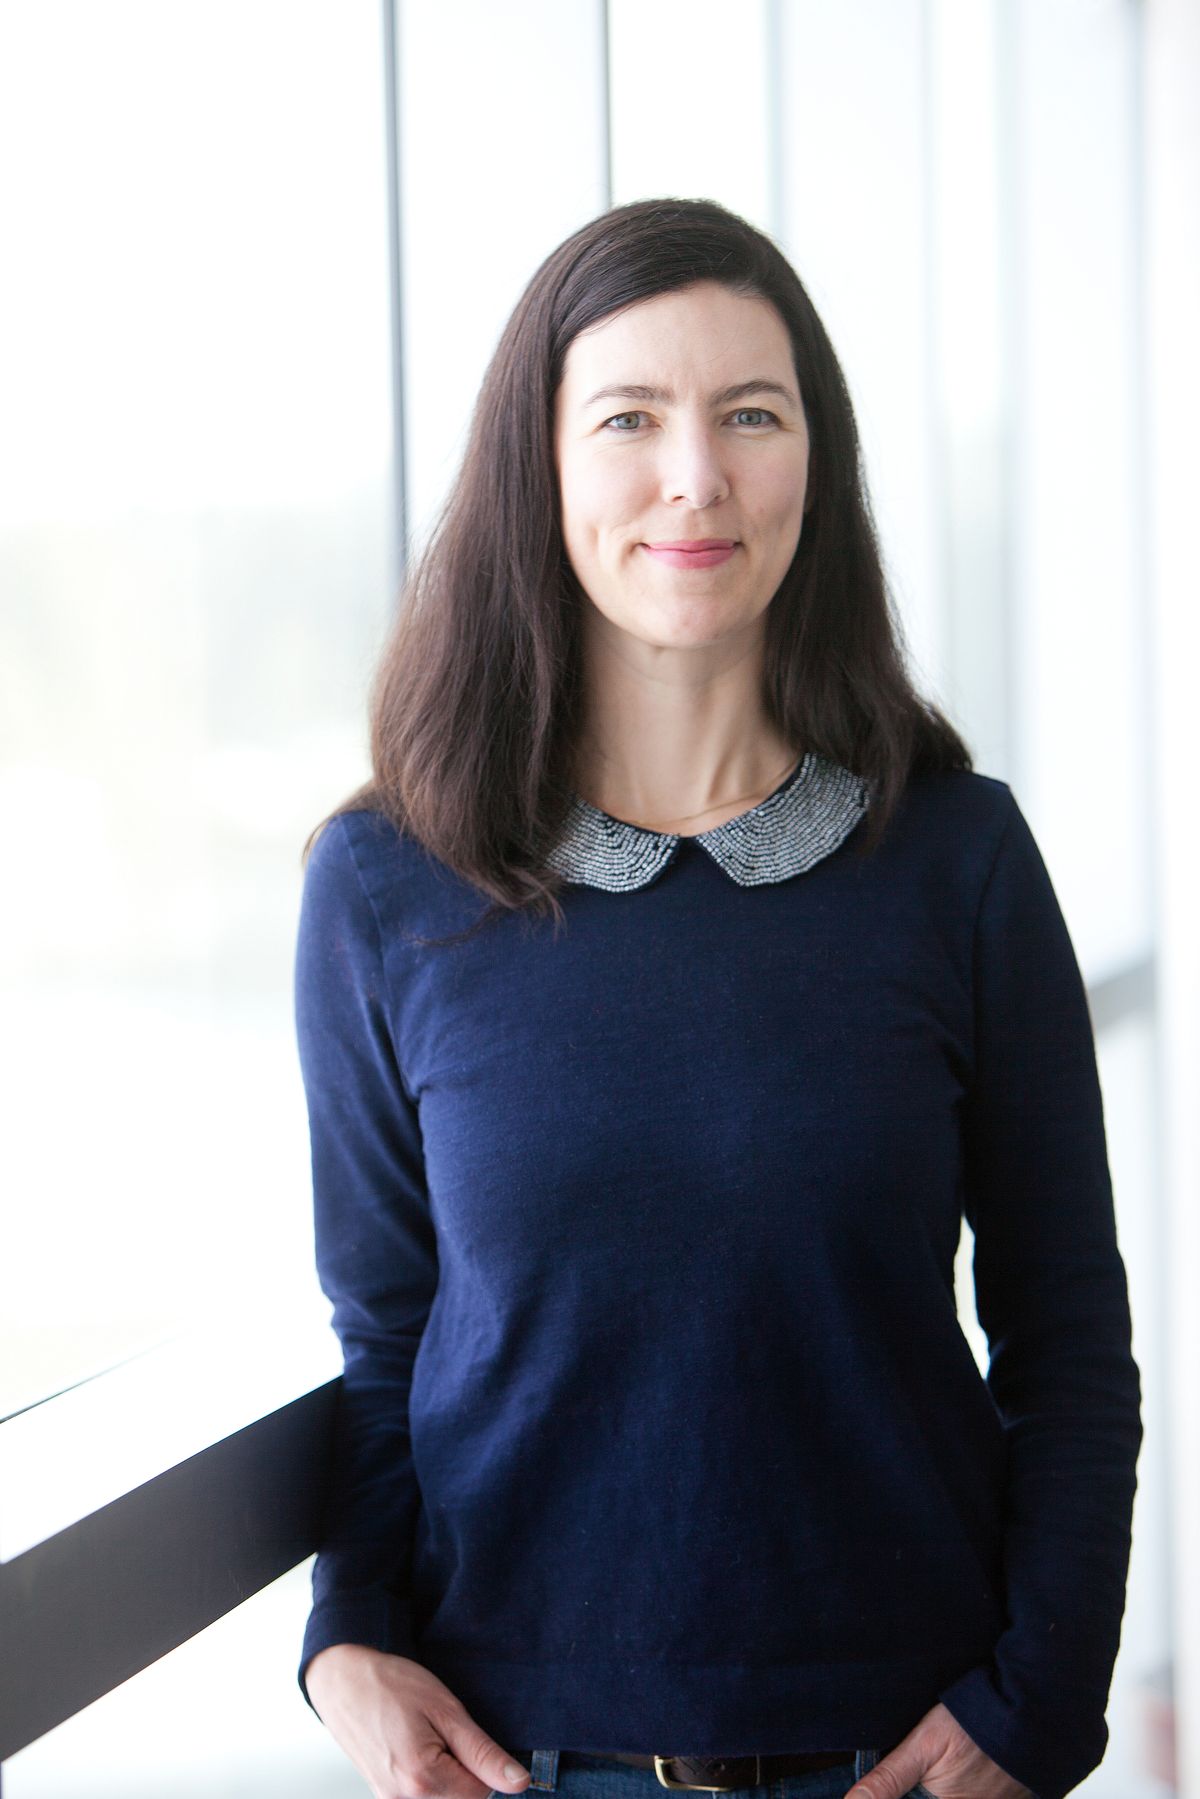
405	1732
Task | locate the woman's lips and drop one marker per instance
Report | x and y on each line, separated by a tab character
677	558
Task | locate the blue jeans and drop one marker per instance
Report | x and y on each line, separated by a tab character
573	1776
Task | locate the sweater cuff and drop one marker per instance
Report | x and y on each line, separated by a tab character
1048	1752
376	1621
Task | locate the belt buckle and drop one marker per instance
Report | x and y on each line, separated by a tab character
691	1786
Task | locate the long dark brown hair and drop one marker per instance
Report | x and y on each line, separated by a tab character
475	706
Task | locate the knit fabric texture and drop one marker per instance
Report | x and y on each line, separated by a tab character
659	1431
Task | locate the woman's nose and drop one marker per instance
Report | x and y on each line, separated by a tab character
692	469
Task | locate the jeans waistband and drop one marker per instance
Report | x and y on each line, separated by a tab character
543	1765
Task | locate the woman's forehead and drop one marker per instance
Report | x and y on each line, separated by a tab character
693	343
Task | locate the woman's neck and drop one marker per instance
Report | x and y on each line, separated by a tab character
676	741
684	791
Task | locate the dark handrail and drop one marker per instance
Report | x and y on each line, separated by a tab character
102	1599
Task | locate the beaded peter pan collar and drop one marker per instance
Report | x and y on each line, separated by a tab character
806	818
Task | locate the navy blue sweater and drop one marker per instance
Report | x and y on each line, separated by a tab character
659	1431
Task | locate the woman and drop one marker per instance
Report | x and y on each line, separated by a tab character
665	1000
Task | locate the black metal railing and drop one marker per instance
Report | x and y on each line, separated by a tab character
100	1600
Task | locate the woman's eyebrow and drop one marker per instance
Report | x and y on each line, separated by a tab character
740	391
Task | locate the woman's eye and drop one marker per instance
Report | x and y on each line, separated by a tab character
618	416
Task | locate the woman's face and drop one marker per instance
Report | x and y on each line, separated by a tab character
698	433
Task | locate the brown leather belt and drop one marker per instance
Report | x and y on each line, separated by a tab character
712	1774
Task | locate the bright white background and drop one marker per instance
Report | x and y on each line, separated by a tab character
993	204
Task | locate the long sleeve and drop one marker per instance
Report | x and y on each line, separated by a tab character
1052	1297
375	1250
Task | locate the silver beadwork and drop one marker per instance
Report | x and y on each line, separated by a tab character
800	823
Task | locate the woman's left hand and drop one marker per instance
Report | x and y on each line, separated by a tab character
938	1754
